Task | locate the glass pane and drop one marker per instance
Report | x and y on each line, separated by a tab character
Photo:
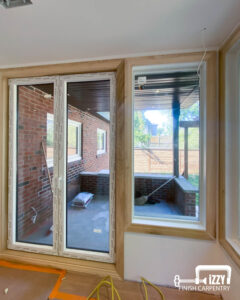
35	138
100	143
50	127
88	177
72	140
101	140
166	145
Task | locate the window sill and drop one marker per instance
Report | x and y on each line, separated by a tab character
181	223
70	159
100	153
74	158
195	233
69	264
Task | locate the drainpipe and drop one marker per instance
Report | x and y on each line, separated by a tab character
176	114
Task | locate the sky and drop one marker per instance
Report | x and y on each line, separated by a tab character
158	117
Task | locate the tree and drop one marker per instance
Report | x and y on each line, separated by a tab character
191	113
141	137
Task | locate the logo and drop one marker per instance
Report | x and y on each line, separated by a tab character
215	278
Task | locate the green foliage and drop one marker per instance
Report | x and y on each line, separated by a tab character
191	113
193	138
50	133
141	138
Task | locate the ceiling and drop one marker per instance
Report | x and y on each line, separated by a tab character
66	30
158	92
88	96
161	90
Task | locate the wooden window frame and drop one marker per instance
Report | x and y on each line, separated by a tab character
59	184
210	59
117	66
63	232
229	43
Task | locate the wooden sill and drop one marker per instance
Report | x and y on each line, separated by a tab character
162	230
69	264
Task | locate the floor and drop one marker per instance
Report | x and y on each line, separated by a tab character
157	210
25	285
88	228
38	285
81	284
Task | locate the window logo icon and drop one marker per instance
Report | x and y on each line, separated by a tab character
215	278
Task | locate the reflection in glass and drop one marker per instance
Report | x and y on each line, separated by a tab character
166	145
88	165
35	139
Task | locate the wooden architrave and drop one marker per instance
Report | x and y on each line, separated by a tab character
230	42
211	117
116	66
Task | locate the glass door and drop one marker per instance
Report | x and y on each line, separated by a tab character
87	166
33	168
62	166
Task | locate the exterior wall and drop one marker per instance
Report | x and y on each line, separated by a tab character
90	162
95	184
186	201
33	183
146	184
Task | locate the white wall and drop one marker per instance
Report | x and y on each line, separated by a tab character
160	258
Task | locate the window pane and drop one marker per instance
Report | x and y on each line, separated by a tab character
88	178
35	138
101	140
166	145
72	140
50	127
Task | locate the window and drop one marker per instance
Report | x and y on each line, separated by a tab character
74	140
50	134
101	141
168	138
171	109
56	119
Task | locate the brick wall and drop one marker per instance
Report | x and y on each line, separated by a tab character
171	192
145	185
90	162
95	184
186	201
33	182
